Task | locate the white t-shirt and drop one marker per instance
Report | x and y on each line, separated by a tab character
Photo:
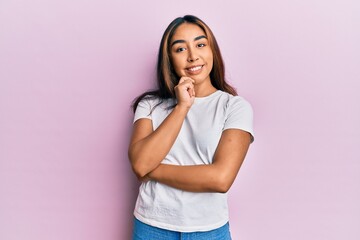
165	207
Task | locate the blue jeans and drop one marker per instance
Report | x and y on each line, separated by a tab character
144	231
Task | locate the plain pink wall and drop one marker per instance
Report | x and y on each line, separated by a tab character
70	69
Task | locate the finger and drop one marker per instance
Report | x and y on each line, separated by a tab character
193	92
183	79
188	85
185	85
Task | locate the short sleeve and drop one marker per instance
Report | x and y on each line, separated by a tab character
239	115
143	110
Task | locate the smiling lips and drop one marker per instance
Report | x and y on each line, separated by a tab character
194	69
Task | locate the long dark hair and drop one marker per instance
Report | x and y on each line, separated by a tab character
167	79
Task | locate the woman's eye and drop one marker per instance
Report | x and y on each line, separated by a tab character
180	49
201	45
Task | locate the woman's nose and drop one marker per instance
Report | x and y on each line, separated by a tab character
192	56
192	59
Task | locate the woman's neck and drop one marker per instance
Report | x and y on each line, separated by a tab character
203	90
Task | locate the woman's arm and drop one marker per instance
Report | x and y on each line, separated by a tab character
215	177
148	147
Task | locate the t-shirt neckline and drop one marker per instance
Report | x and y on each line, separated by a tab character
214	94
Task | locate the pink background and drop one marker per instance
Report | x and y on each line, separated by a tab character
70	69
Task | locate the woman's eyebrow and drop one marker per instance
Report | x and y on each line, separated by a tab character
182	41
199	37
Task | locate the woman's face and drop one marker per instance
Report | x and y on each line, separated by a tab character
190	53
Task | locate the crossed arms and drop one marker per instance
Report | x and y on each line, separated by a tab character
146	153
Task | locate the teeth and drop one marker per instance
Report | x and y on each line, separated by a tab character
195	68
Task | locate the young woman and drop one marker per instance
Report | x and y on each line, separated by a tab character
189	139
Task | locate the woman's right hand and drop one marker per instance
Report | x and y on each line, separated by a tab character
185	92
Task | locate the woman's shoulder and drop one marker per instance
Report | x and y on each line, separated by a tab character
153	101
149	99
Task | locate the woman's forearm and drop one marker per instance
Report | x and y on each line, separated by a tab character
215	177
147	153
196	178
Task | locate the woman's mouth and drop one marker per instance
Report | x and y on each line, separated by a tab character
194	69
